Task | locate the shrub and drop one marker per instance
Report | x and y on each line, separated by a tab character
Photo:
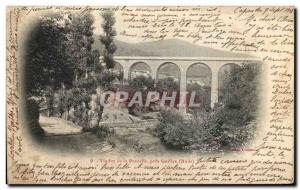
141	83
228	126
172	130
178	133
203	95
239	94
212	133
105	79
167	84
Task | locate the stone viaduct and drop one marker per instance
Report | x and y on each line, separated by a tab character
183	64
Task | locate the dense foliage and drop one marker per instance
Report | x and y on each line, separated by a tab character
231	125
142	83
62	69
167	85
202	95
47	65
108	38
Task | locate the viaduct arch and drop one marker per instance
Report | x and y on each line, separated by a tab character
154	68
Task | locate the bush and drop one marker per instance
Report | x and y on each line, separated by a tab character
212	133
105	79
178	133
239	94
226	127
167	85
203	95
174	131
142	83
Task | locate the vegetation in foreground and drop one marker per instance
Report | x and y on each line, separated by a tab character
229	125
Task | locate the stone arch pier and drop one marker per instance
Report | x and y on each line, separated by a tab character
153	67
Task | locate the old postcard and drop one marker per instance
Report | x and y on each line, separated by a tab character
150	95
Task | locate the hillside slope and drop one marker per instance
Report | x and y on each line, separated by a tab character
166	48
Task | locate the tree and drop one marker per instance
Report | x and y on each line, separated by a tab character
47	68
60	59
80	36
167	85
94	62
202	95
237	117
108	38
142	83
105	78
240	92
82	56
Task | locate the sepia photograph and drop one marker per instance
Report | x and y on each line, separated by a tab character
150	95
91	93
